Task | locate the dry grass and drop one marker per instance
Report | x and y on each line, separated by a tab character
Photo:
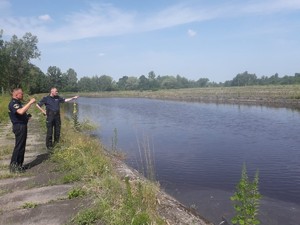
284	95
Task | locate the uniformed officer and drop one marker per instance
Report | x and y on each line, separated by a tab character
19	118
53	122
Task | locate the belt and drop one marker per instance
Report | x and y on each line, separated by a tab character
50	112
19	123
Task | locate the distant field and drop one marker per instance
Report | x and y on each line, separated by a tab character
286	96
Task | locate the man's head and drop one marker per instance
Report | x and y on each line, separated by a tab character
17	93
53	92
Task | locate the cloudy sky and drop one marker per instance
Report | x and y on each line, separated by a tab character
214	39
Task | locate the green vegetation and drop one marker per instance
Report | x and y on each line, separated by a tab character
29	205
246	199
82	159
76	192
4	100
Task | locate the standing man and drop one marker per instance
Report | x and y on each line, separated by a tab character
19	118
52	103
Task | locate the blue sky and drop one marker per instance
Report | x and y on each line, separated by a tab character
191	38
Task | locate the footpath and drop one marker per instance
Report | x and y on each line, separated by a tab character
33	197
36	197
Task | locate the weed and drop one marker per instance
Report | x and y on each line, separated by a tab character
86	217
146	154
114	141
246	200
29	205
76	192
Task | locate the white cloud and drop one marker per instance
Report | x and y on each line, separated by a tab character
108	20
45	17
191	33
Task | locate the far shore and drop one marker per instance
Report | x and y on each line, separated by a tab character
287	96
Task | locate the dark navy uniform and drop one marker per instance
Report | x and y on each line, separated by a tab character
20	130
53	118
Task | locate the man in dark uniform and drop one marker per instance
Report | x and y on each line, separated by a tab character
19	118
52	103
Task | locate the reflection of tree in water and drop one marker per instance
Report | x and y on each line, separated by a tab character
75	117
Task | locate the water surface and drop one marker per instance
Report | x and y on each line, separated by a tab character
199	149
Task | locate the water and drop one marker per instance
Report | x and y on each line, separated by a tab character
199	149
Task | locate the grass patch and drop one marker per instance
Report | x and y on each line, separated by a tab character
5	99
6	150
76	193
29	205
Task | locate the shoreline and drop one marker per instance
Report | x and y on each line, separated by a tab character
271	96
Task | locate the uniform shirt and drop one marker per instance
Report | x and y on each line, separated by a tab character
51	103
16	118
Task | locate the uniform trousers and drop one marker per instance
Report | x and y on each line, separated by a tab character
53	123
20	131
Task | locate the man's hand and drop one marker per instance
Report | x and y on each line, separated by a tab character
32	101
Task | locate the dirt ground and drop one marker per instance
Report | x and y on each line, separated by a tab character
37	198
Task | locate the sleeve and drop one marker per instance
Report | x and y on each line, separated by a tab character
43	101
62	100
13	107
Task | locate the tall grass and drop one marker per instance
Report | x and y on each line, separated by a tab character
4	100
146	158
116	201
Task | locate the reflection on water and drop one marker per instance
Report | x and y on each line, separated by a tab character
202	147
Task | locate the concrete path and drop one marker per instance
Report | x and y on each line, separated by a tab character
31	197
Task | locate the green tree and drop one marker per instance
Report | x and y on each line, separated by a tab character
182	82
69	80
105	83
153	82
122	83
202	82
143	83
244	79
168	82
55	77
246	200
15	57
85	84
132	83
39	81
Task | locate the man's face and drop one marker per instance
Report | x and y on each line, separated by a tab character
19	94
54	92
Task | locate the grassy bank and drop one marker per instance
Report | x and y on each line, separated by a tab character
115	200
286	96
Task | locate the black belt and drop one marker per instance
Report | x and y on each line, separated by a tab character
50	112
19	123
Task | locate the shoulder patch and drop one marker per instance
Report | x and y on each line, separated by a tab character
16	106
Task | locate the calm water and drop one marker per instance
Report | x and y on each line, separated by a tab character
199	150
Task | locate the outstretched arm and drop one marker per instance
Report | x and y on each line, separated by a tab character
70	99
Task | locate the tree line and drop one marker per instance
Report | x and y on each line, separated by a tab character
16	70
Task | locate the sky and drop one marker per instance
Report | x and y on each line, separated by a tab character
214	39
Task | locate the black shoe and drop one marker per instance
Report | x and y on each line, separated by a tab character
13	168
